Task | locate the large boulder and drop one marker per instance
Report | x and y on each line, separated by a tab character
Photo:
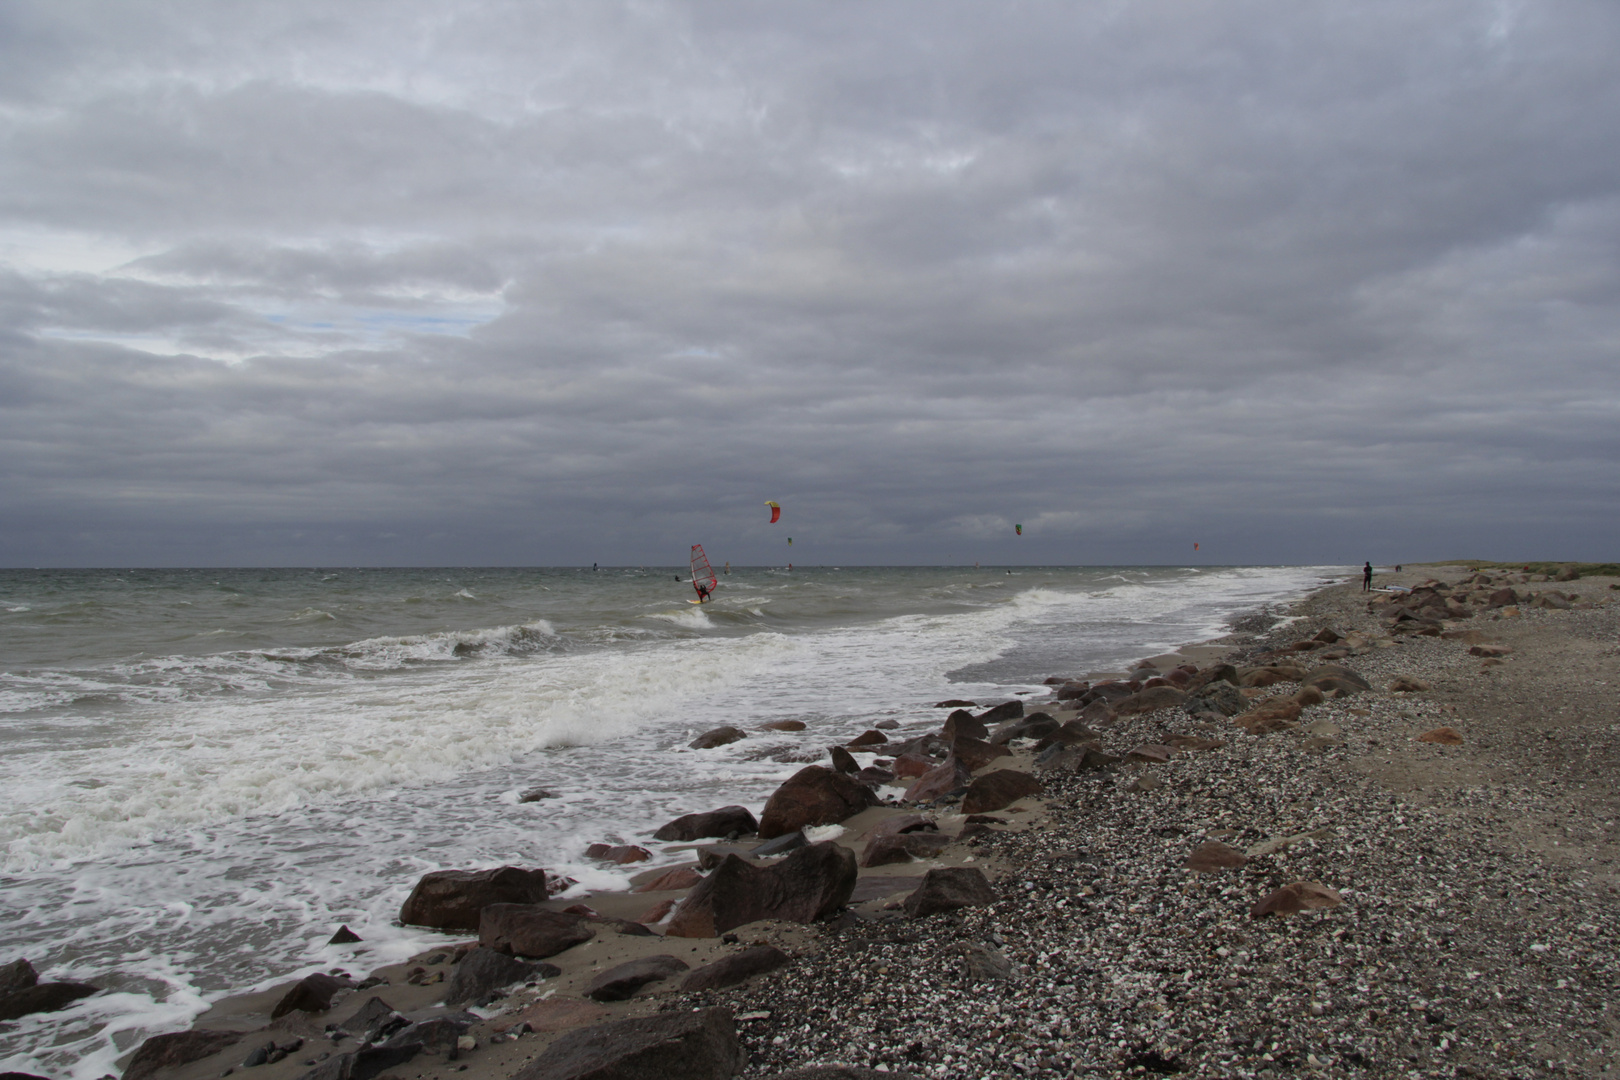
940	780
733	969
481	972
1501	598
961	724
815	795
974	753
43	997
17	975
1034	726
1335	677
1219	697
696	1045
1150	699
807	885
312	993
720	736
998	790
1007	710
949	888
175	1049
621	982
721	822
531	930
452	899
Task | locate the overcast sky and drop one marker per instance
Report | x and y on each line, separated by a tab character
421	282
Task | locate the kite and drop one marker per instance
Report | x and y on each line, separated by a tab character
1195	545
776	511
1020	529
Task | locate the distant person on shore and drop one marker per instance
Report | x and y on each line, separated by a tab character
1366	577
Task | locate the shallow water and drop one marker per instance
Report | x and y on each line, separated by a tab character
208	771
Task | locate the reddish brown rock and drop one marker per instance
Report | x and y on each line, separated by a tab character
312	993
807	885
938	781
814	795
175	1049
882	849
912	765
1007	710
721	822
1034	726
1501	598
1150	753
1213	855
999	789
870	737
1278	714
1406	684
620	854
975	754
622	981
947	889
783	725
956	703
681	877
657	913
843	761
531	930
733	969
1300	896
961	724
720	736
1444	736
452	899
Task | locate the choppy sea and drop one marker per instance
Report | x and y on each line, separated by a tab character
207	771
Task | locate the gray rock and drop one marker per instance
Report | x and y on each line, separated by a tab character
17	975
698	1045
1219	697
982	963
483	971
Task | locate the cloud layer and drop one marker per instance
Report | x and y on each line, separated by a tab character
432	283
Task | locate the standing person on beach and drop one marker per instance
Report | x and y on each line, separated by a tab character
1366	577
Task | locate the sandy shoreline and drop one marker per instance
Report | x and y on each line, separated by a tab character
1476	936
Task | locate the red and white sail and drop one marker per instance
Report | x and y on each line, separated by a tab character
702	572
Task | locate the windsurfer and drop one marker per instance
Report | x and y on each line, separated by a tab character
702	591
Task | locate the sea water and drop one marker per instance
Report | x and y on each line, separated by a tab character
206	772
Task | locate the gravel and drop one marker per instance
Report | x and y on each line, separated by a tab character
1477	934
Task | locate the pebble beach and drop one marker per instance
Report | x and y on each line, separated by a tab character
1416	881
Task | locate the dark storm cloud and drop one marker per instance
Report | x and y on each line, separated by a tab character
585	282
